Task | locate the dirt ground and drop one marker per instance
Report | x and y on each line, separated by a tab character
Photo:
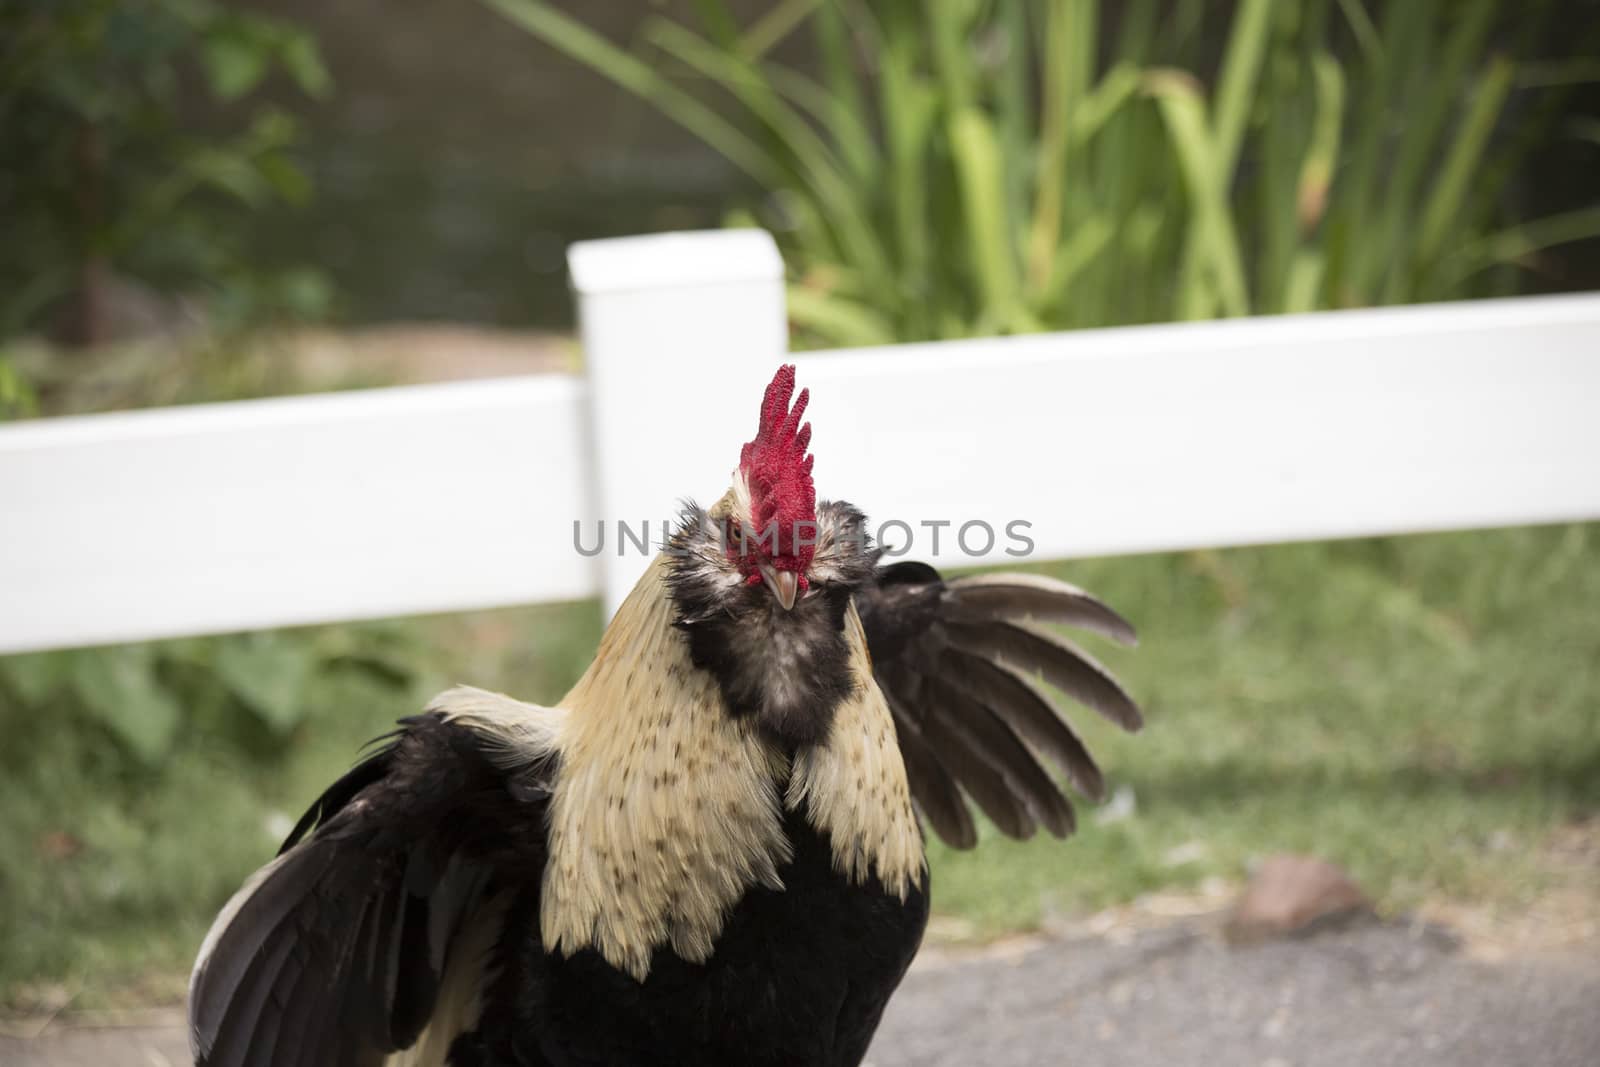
1368	994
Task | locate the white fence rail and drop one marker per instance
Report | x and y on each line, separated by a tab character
432	498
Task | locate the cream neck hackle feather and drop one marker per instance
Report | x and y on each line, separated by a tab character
666	809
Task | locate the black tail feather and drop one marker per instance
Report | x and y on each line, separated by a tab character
1063	664
999	746
987	597
1030	714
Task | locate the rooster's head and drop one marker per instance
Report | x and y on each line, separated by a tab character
761	581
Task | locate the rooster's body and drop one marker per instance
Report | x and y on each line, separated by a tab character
707	852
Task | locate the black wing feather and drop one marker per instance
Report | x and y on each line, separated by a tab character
936	792
954	660
253	991
370	769
334	953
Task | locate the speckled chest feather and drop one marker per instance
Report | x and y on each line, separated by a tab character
669	808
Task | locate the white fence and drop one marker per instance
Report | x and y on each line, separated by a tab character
433	498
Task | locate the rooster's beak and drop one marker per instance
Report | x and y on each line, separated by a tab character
784	585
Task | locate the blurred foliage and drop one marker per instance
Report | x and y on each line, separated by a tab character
17	399
983	166
138	780
109	197
112	867
144	696
202	366
103	177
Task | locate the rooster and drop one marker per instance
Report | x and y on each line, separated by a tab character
709	851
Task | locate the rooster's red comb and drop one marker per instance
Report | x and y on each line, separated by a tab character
778	471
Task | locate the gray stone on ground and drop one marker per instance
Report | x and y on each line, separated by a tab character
1289	894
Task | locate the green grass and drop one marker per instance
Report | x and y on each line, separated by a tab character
1395	706
1398	706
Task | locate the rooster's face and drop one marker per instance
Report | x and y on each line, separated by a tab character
761	582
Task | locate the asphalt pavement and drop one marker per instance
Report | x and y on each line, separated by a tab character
1365	995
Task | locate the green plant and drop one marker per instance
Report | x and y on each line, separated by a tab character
102	173
17	398
112	868
1377	156
975	166
143	696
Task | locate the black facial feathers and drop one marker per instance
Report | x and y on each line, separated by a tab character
789	669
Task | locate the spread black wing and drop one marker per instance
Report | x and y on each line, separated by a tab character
956	660
334	952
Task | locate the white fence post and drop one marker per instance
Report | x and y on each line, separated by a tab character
680	333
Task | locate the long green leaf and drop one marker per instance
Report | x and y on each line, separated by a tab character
1450	188
1067	70
1241	67
1015	108
848	128
1366	33
847	114
578	42
1136	32
1103	102
841	322
947	23
1216	266
1354	266
1305	278
720	25
1519	243
1077	252
978	164
1277	153
774	26
909	105
816	164
1316	172
1439	87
